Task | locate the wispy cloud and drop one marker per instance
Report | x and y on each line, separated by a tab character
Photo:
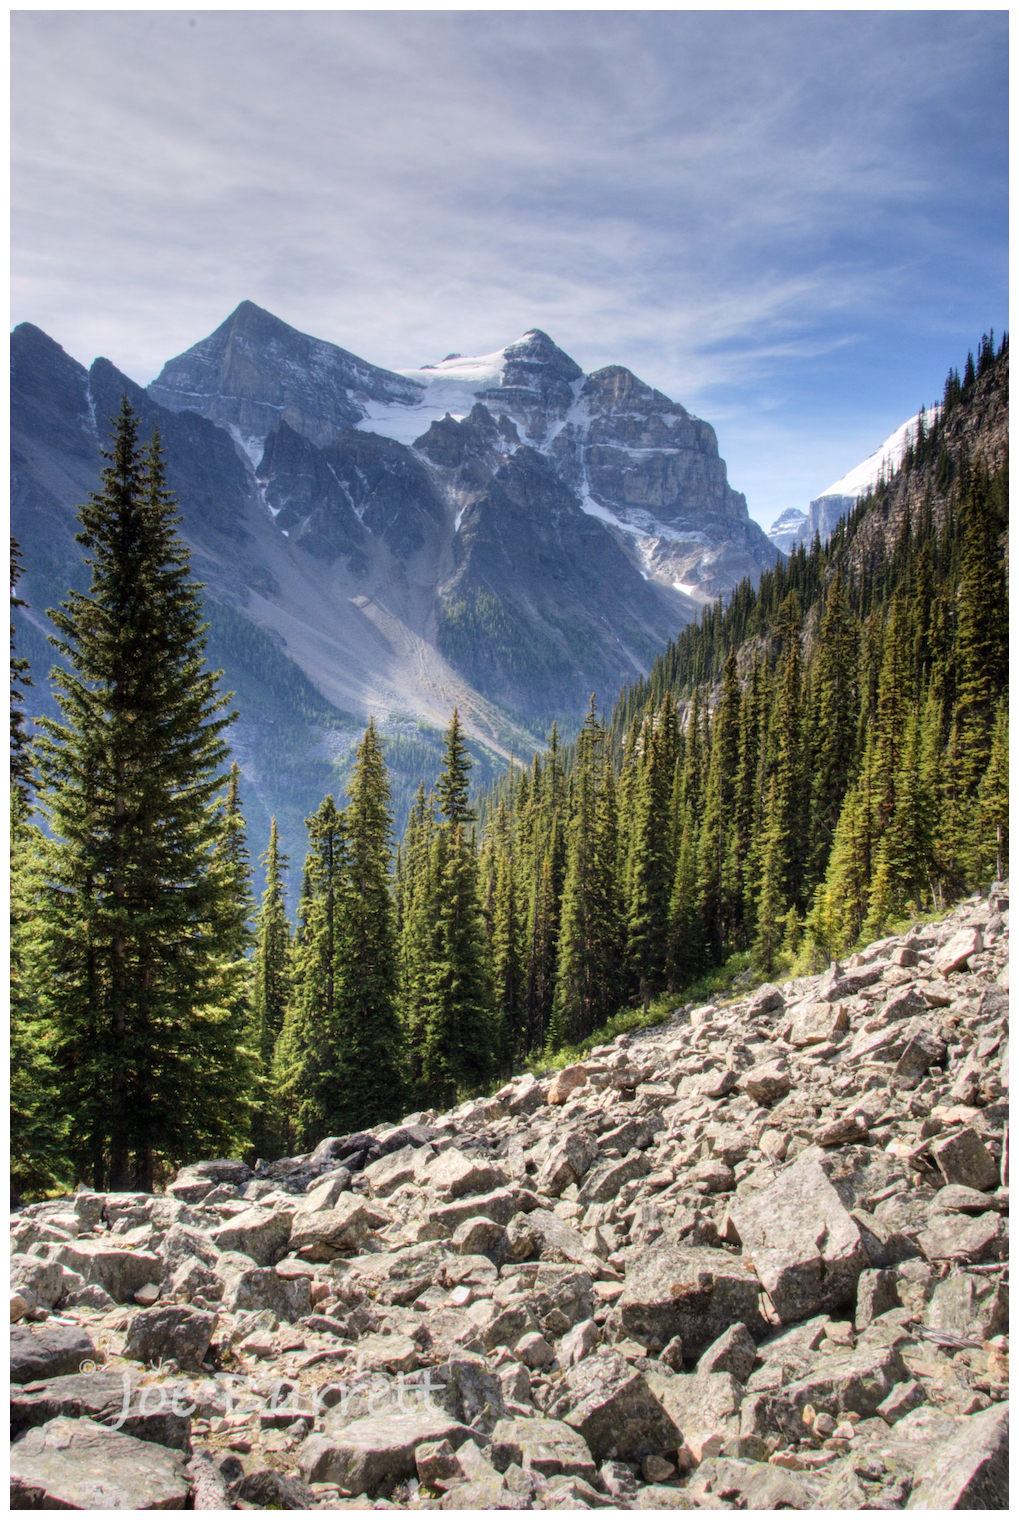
730	203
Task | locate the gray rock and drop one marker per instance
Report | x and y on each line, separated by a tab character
702	1404
963	1158
876	1293
613	1408
735	1351
970	1469
568	1162
954	955
767	999
693	1292
469	1391
78	1464
158	1334
249	1287
49	1352
40	1283
322	1235
267	1489
903	1399
118	1270
370	1456
549	1447
952	1237
604	1181
455	1175
767	1082
99	1396
480	1237
261	1234
968	1305
856	1381
803	1242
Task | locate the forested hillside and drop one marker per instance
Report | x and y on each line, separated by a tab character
820	757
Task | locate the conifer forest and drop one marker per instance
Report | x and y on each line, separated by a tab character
810	763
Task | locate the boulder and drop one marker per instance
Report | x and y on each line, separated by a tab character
767	999
963	1158
247	1286
118	1270
455	1175
370	1456
549	1447
50	1351
566	1163
689	1291
955	954
767	1082
79	1464
734	1352
99	1396
267	1489
324	1234
565	1083
970	1469
702	1404
158	1334
259	1233
804	1244
603	1182
40	1282
613	1408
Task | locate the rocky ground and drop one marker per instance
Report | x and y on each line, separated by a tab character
755	1258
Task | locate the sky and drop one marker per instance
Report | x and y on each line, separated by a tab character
793	222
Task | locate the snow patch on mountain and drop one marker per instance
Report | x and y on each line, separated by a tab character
448	388
884	461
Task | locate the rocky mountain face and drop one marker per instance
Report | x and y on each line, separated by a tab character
503	533
753	1259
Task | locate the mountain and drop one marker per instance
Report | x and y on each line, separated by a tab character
504	533
823	513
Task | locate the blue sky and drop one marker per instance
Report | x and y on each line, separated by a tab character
792	222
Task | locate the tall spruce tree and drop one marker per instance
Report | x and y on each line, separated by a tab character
271	980
147	1042
459	1039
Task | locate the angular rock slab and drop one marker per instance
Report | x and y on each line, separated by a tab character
970	1469
613	1408
99	1396
53	1351
77	1464
550	1447
804	1243
693	1292
370	1455
174	1331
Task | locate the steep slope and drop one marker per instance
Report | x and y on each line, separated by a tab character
755	1258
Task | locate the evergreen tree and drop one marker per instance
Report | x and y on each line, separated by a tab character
719	894
21	763
369	1033
38	1121
305	1055
455	1018
149	1049
589	933
833	723
651	867
270	996
992	802
507	944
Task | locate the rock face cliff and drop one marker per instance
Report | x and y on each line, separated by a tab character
755	1258
503	533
